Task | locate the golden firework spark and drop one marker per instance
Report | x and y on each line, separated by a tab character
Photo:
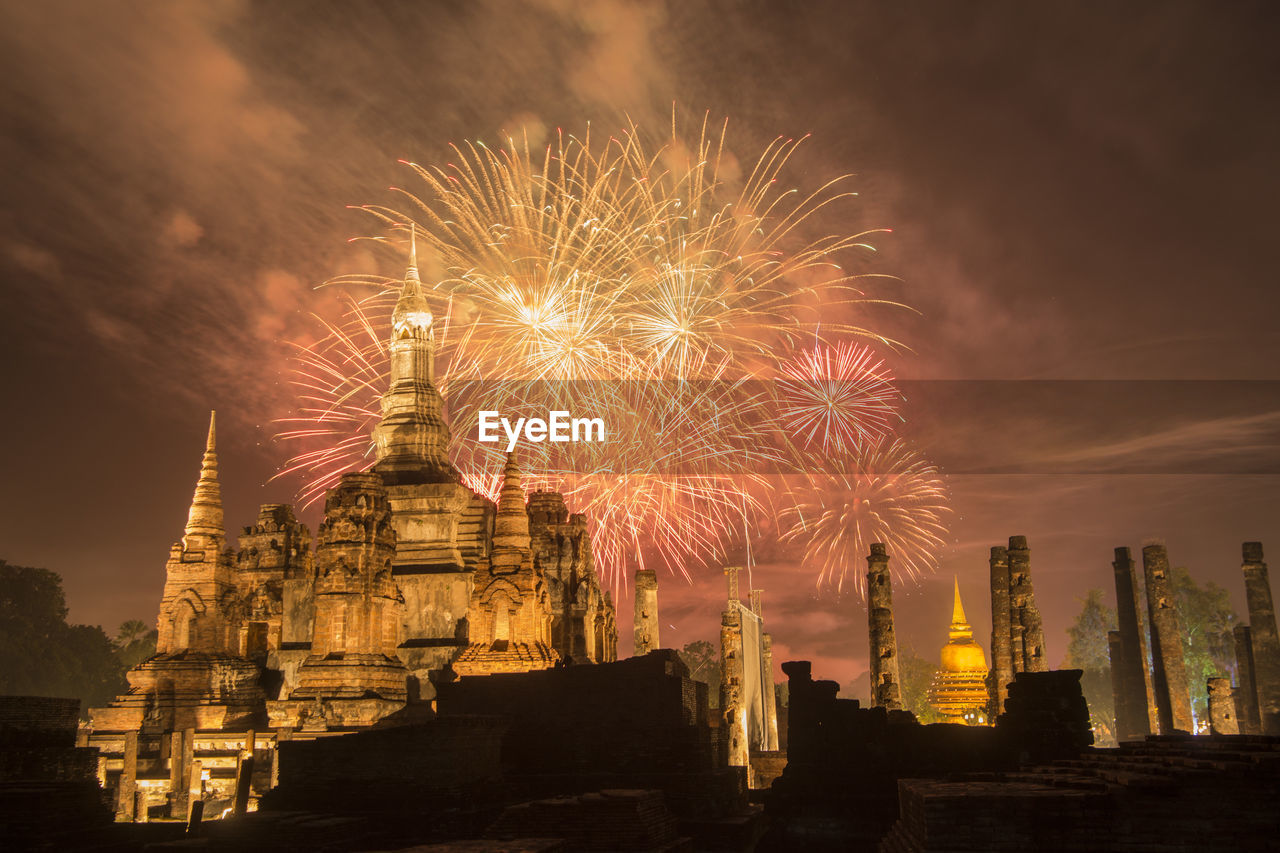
594	277
886	493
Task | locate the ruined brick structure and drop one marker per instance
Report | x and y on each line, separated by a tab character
1001	632
733	712
1247	713
1170	689
414	574
646	616
352	676
1120	699
201	676
1027	639
1265	642
1017	631
583	620
1222	707
769	694
510	607
748	705
885	689
1138	717
49	793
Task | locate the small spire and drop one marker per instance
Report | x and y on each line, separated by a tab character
411	279
957	612
511	527
960	629
205	516
511	471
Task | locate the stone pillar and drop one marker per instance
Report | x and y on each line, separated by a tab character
1028	633
1119	695
1222	707
195	787
244	782
281	736
244	773
733	713
885	690
177	777
1135	676
1265	642
1247	716
1169	672
646	627
127	788
770	694
1001	632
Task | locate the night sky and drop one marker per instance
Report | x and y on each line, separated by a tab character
1081	196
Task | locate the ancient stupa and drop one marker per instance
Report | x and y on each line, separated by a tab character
959	690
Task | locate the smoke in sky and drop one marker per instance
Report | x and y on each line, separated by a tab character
1076	191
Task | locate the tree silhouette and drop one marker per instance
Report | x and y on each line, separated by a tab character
40	654
1088	650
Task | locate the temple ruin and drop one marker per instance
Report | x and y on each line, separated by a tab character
415	580
1017	631
1247	712
1265	643
748	705
959	688
1135	712
646	612
1171	693
886	688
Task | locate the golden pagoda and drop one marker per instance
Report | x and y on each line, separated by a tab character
959	688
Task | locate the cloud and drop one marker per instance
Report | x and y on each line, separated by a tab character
181	231
34	259
619	65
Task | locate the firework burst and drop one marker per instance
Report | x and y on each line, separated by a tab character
887	493
839	398
615	279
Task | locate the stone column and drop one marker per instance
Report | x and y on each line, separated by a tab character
1247	716
1222	707
177	777
1135	676
646	618
195	786
1169	671
1265	642
770	694
1001	632
885	690
733	714
244	782
1029	641
126	790
1119	693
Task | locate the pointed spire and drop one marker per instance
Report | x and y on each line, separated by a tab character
511	471
511	527
511	498
960	627
205	516
412	283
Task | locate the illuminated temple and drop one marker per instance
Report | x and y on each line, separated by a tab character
414	580
959	689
